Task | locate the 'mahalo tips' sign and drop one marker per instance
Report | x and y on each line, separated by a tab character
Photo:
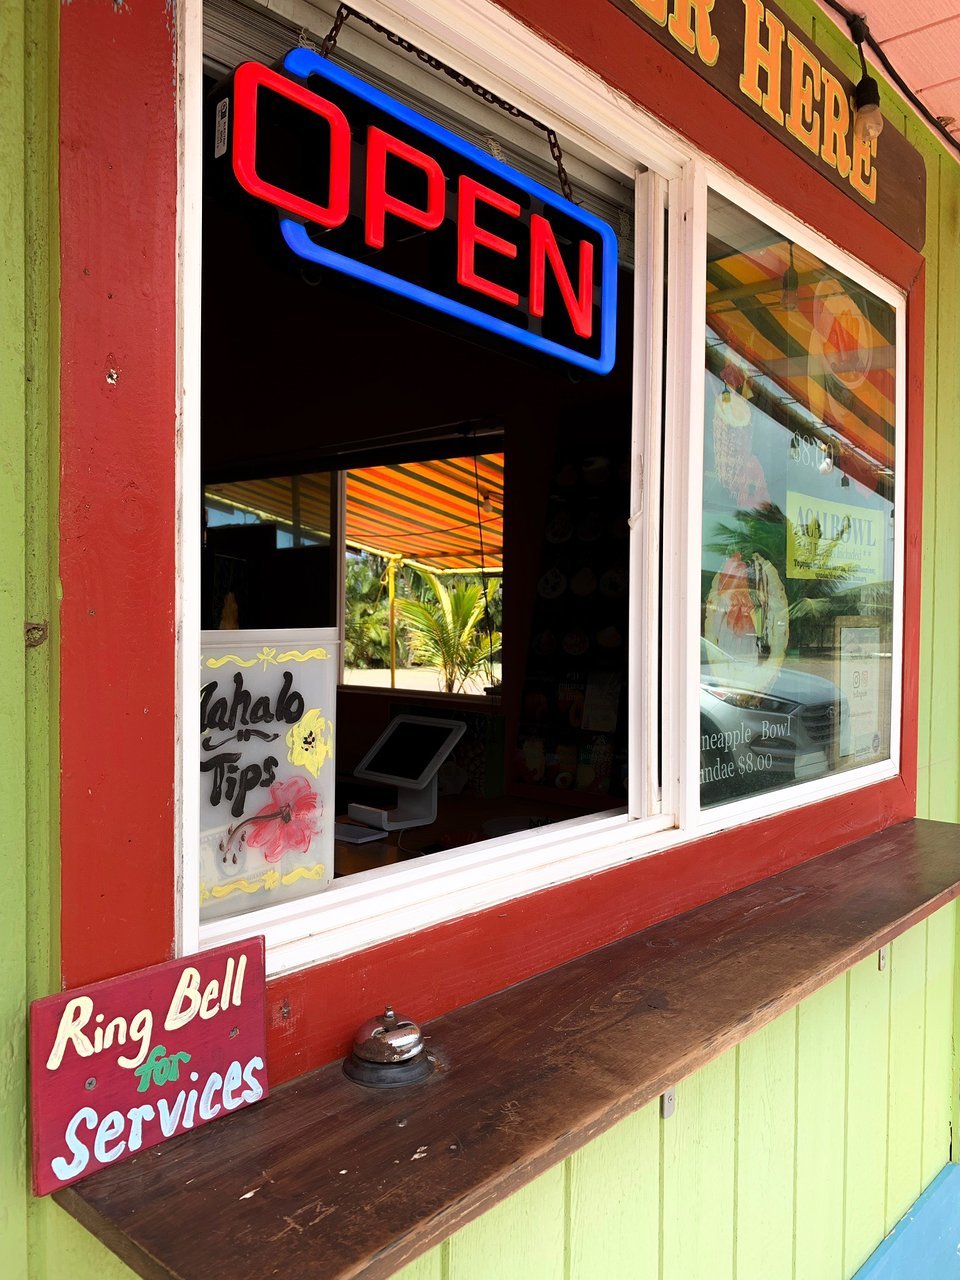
123	1065
366	186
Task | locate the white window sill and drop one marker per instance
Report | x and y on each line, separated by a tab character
372	907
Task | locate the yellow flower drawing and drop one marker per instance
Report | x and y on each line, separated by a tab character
310	741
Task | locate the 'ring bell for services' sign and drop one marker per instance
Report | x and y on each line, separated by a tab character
267	704
125	1064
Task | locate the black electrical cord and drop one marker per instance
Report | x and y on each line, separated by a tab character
860	33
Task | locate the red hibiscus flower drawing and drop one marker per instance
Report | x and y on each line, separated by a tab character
286	824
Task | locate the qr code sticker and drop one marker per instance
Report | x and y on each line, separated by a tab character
220	140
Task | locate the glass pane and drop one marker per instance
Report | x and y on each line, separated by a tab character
798	518
267	553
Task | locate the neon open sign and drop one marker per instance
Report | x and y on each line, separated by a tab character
368	187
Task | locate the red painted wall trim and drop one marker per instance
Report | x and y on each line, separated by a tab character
118	200
916	338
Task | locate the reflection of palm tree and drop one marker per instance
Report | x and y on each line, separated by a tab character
445	632
763	531
366	634
366	624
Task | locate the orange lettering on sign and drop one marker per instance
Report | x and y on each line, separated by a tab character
689	24
804	121
863	175
836	124
758	57
655	9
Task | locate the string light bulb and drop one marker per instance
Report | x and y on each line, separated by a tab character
868	121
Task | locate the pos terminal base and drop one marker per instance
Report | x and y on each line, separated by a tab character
414	809
407	755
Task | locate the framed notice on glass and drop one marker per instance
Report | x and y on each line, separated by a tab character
861	646
267	715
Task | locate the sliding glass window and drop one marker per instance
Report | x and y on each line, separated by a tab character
798	533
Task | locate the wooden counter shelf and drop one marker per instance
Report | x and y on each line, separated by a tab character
329	1180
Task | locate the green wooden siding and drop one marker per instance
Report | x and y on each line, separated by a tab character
788	1158
13	911
28	494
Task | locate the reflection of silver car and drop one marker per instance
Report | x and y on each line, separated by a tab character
753	740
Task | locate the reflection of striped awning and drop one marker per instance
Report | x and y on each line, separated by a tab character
445	515
430	513
297	504
833	350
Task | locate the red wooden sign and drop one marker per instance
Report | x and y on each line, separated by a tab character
768	66
122	1065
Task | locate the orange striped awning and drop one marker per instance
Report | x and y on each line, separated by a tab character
446	515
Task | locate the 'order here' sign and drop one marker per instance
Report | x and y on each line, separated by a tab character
125	1064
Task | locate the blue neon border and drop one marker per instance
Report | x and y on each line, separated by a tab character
305	62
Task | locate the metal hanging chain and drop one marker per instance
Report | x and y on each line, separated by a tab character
330	43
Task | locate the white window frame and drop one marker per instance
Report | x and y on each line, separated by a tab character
362	910
803	793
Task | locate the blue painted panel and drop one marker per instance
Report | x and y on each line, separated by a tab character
925	1243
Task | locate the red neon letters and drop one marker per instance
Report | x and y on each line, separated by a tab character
379	200
247	80
472	197
469	235
543	245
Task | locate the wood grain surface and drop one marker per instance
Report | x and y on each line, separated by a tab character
329	1180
